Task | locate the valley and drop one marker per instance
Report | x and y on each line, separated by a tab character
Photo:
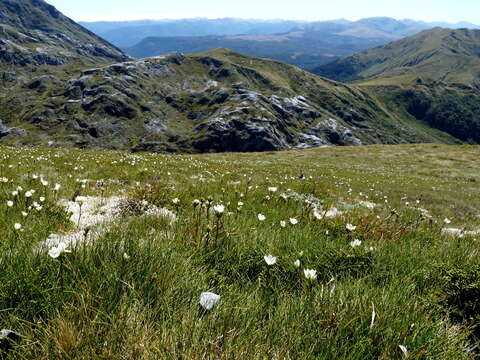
214	101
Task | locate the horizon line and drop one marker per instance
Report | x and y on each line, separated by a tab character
272	19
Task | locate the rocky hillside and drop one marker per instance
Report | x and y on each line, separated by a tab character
60	85
217	101
33	33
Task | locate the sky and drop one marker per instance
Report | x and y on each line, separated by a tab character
116	10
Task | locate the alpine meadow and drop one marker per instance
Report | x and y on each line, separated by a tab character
227	188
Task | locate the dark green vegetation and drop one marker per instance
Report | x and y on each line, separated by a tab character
458	294
449	110
433	77
132	292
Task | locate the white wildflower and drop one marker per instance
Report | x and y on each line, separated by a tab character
270	259
56	251
355	243
310	274
261	217
219	209
351	227
404	350
208	300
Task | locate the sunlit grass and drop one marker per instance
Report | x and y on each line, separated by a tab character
132	290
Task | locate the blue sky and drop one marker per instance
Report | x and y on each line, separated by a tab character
427	10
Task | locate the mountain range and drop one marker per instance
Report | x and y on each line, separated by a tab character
91	95
125	34
307	44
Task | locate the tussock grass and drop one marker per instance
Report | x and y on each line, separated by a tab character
133	291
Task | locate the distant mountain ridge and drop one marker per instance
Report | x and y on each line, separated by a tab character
306	45
296	48
450	56
125	34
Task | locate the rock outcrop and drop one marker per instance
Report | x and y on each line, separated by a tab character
64	86
34	33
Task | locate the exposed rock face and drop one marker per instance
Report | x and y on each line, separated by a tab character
220	101
34	33
11	131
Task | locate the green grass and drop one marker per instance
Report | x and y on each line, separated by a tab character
436	55
124	122
95	303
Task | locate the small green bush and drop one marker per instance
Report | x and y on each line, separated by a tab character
459	296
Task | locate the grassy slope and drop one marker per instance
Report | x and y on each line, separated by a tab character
431	78
94	303
398	124
261	75
442	55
